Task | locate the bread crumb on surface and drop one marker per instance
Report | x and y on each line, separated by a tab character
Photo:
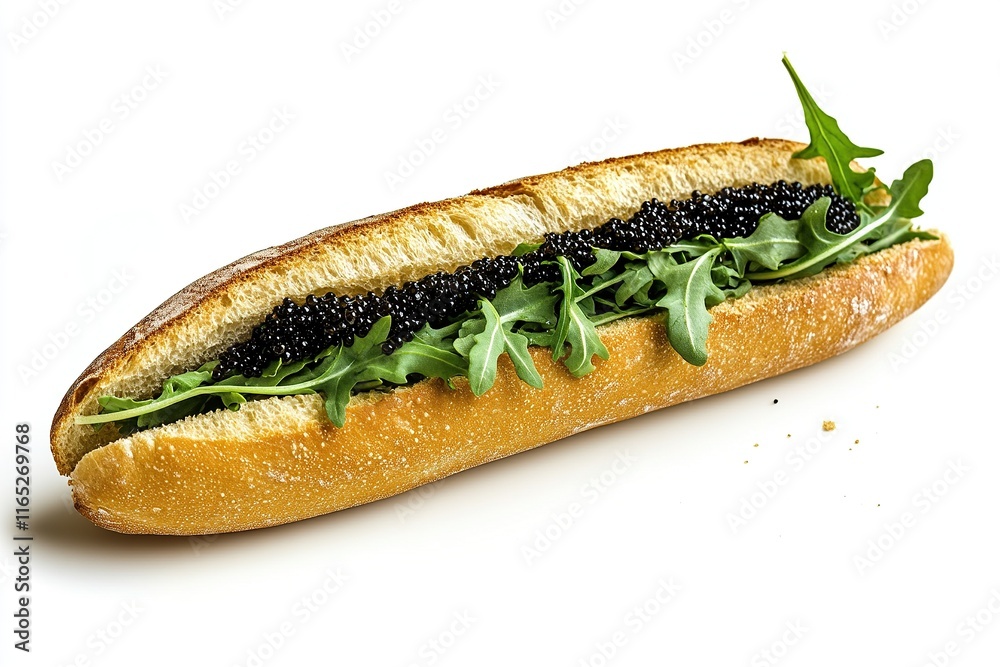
829	426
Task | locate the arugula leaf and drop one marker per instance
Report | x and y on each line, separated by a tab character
660	262
516	346
690	291
825	247
737	290
907	194
115	404
605	260
470	327
233	400
525	248
540	338
276	373
490	333
427	355
695	247
189	380
338	380
817	239
828	141
336	386
898	231
175	404
574	327
365	345
584	343
773	242
179	385
635	285
172	413
484	344
517	303
908	191
728	279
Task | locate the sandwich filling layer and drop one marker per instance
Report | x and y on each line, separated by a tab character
681	258
296	331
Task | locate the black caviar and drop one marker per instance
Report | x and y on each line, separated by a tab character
293	331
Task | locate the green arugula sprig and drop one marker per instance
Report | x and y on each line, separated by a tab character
878	229
684	280
574	328
829	142
490	332
335	372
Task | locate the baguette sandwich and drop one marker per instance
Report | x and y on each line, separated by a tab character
366	359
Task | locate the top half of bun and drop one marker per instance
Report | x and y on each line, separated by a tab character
204	318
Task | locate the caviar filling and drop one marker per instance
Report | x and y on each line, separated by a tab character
295	331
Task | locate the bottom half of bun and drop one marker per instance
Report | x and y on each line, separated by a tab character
281	460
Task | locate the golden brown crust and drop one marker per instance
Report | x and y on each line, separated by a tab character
201	320
280	460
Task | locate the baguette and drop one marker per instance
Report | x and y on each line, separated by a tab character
280	459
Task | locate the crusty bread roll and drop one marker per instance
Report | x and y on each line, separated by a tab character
280	459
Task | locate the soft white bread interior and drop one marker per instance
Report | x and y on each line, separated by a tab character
280	460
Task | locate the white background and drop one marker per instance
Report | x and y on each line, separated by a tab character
913	79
